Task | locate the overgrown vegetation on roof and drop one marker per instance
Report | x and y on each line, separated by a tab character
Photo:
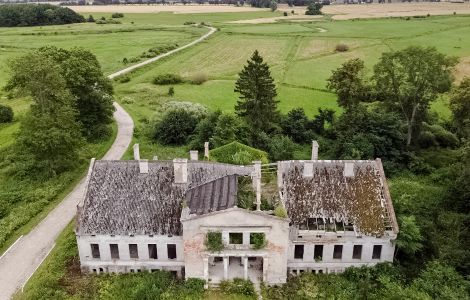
237	153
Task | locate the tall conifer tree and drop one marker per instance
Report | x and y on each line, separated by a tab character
257	90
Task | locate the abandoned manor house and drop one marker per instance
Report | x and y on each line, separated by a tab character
214	221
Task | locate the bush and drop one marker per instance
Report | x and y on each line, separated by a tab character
189	23
198	78
230	153
6	114
196	109
280	212
258	240
281	147
124	79
213	241
273	6
12	15
117	15
90	19
175	128
237	286
285	14
314	9
341	48
171	91
227	129
163	79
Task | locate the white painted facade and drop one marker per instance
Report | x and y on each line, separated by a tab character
126	264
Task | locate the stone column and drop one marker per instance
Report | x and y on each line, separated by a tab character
225	267
245	267
265	269
206	269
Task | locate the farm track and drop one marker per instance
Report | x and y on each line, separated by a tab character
24	257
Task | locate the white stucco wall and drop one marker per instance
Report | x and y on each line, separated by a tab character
237	220
125	263
330	264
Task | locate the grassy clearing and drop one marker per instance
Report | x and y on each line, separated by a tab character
301	59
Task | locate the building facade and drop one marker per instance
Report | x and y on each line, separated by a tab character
143	216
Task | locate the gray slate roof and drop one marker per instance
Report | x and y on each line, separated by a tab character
362	199
120	200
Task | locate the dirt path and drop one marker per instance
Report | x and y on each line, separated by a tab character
23	258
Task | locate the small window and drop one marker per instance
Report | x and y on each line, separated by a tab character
318	253
299	252
357	251
338	252
133	252
114	251
377	252
95	250
235	238
152	251
171	248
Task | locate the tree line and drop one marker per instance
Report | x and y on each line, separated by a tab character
16	15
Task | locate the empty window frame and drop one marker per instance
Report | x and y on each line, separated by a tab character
153	251
299	251
318	253
357	252
133	251
377	252
235	238
338	251
95	250
114	251
171	249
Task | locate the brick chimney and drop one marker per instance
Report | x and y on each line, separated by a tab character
193	155
180	166
314	150
206	150
136	152
257	183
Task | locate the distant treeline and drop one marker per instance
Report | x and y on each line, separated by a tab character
13	15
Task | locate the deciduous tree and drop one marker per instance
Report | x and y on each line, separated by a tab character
460	106
409	80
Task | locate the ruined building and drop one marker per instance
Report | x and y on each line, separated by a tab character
182	216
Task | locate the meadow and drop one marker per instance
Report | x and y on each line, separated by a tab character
301	56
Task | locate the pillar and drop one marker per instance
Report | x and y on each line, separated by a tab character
245	267
225	267
206	268
265	269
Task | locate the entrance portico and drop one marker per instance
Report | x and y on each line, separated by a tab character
225	266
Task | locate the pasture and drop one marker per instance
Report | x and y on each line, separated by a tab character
301	55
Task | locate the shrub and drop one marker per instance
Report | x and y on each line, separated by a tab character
90	19
124	79
280	212
6	114
285	14
196	109
281	147
175	128
171	91
125	61
163	79
314	9
258	240
117	15
198	78
237	286
189	23
227	129
273	6
230	154
341	48
213	241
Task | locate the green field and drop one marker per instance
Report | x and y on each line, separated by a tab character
301	55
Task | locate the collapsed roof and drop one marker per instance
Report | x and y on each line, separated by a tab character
353	192
122	200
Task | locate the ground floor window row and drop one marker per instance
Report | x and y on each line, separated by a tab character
337	252
133	251
298	271
177	272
